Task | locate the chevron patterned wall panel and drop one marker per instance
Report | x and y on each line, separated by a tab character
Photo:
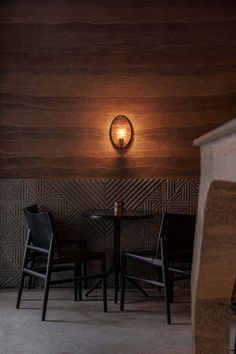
67	198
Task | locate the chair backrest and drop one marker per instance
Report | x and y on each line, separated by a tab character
32	209
178	231
41	231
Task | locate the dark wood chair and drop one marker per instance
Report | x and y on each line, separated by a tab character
65	243
41	241
173	256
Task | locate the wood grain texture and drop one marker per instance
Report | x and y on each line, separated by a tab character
69	67
216	279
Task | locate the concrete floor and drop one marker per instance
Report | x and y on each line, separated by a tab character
82	327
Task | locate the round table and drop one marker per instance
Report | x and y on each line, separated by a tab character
116	218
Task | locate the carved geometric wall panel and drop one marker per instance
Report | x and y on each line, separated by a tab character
67	198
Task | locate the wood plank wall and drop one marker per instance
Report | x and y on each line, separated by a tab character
68	67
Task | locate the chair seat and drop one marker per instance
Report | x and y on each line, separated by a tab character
147	256
76	255
81	243
143	252
181	256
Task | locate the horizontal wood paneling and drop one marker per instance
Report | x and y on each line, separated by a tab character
113	11
69	67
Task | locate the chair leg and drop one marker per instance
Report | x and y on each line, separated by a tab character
76	282
167	300
22	278
123	272
235	343
171	287
31	276
85	273
104	283
165	275
29	287
45	298
47	280
160	278
80	282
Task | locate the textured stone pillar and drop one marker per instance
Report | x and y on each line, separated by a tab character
214	264
217	270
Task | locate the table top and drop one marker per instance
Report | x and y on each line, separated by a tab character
109	214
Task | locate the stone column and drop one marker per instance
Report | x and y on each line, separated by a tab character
214	263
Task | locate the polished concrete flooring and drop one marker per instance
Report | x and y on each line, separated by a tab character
82	328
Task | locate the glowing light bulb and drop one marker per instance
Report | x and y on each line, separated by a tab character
121	133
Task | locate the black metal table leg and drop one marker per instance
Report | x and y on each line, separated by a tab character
105	214
115	269
99	282
134	283
116	259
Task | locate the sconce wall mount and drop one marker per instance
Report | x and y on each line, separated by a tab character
121	133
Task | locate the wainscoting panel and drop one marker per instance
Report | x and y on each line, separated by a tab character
67	198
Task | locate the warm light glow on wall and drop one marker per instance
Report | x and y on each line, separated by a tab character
121	132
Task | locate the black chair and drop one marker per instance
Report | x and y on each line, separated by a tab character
173	256
64	243
41	241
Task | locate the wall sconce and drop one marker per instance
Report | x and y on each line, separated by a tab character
121	132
